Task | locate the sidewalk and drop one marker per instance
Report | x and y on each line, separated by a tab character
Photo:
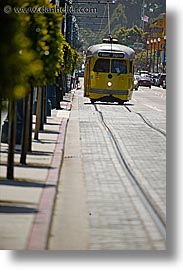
26	203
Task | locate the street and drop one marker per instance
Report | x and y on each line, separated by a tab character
112	186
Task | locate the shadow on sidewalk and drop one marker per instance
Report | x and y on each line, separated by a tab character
29	165
48	132
52	124
25	184
13	209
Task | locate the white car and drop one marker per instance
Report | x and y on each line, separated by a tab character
136	82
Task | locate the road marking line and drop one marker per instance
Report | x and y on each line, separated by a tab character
153	107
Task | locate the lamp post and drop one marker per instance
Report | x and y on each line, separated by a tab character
147	55
68	34
154	53
62	4
164	54
158	55
151	56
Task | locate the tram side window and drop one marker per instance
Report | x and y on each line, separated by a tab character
119	66
102	65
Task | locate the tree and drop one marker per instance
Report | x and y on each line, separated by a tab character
129	36
133	10
70	58
31	52
140	60
117	20
16	55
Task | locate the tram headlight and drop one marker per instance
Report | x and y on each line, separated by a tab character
109	83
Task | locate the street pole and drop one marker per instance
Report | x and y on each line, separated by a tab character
26	128
158	55
30	119
68	21
147	55
62	4
154	53
108	16
142	14
164	54
38	113
11	138
151	56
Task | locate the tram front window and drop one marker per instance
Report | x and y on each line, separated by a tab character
102	66
118	66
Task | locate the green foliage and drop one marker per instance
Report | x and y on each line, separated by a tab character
70	58
80	61
140	60
31	48
89	38
15	53
117	20
46	37
130	35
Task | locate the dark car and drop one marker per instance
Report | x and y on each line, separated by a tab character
154	78
145	81
80	73
164	83
160	80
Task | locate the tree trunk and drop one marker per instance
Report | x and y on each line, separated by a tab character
38	113
30	119
11	138
26	129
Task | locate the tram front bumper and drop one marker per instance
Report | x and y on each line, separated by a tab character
109	92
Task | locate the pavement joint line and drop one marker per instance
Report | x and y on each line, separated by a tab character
38	236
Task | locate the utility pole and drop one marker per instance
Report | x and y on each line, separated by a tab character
142	13
108	15
68	11
62	4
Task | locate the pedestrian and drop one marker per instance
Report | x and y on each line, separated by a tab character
77	80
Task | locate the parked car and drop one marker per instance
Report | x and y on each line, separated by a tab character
154	78
160	80
145	81
80	73
144	72
136	81
164	83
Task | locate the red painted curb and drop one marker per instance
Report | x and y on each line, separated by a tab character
39	232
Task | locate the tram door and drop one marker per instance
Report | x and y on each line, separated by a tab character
87	78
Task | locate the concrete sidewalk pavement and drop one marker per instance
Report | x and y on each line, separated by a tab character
26	203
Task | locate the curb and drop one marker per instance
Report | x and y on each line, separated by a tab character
38	236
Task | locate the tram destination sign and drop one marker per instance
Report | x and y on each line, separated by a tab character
111	54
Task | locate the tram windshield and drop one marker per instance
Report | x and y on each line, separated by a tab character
102	65
118	66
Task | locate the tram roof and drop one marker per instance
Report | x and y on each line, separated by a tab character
108	47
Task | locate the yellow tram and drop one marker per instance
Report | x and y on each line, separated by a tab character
109	72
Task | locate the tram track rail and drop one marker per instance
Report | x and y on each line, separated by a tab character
157	218
147	122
